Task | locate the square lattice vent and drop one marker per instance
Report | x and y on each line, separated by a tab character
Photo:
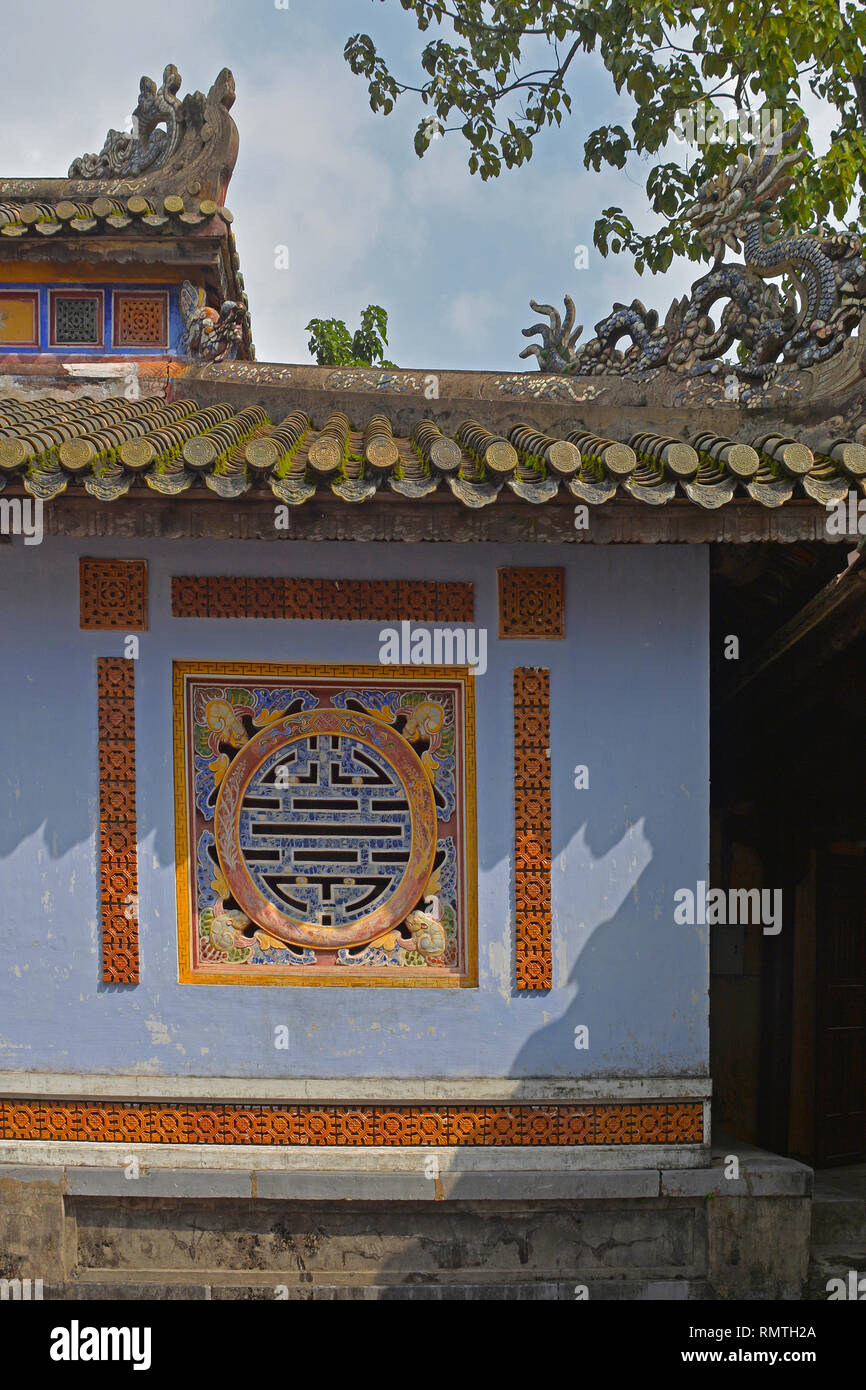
77	320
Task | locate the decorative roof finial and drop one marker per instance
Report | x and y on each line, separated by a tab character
736	210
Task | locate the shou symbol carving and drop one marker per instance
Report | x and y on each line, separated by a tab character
113	595
532	831
316	600
328	825
118	866
358	1125
531	603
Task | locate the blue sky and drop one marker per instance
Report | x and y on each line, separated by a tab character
453	260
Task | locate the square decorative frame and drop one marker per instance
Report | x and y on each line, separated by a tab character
256	792
118	297
532	602
31	297
113	594
54	296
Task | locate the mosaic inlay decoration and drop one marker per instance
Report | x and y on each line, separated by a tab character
533	955
316	600
360	1124
325	825
113	594
532	602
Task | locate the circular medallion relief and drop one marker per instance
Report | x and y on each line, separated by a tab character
326	829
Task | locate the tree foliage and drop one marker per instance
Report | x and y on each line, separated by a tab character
498	71
333	345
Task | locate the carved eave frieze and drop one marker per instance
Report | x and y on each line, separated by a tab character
180	150
615	406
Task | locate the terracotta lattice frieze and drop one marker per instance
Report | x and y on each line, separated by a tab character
532	829
359	1125
118	865
316	600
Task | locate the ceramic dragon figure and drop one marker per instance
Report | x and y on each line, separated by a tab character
428	933
210	335
824	299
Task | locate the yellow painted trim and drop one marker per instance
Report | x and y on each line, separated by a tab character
186	974
86	272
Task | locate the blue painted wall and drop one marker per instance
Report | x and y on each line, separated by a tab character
629	698
106	348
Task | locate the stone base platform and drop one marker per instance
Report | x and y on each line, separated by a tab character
140	1222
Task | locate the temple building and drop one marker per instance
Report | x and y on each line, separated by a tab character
432	846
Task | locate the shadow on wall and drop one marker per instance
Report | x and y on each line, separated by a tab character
606	881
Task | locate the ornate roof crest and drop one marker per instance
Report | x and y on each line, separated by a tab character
176	148
805	321
150	144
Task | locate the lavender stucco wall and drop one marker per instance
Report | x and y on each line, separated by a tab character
629	698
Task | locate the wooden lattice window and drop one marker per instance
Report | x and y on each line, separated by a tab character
76	319
140	320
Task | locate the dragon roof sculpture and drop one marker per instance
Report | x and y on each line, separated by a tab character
805	322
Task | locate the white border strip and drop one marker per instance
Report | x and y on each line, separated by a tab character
253	1091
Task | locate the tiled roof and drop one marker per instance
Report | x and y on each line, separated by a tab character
109	214
111	446
114	214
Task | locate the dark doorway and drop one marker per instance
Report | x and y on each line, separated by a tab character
840	1092
788	770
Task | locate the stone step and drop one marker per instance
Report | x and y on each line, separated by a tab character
837	1216
599	1290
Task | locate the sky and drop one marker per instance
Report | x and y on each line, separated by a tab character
453	260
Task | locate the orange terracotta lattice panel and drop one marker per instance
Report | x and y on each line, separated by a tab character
532	603
113	595
118	866
318	600
361	1125
140	320
532	830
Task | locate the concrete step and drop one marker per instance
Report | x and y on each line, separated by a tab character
837	1216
